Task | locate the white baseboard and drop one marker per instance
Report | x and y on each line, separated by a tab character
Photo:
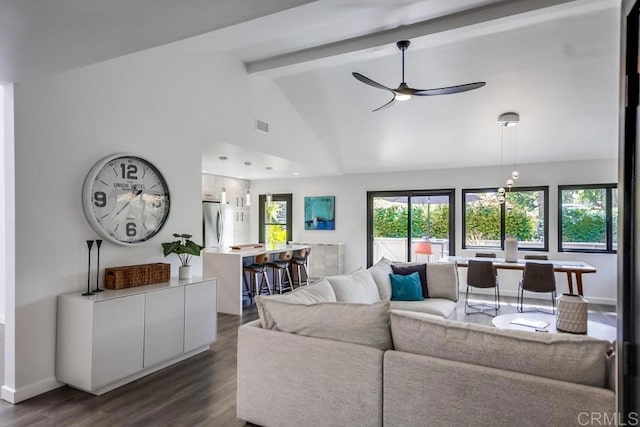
32	390
530	295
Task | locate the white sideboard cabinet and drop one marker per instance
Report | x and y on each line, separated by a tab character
116	336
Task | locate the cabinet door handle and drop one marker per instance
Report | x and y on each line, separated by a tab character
242	216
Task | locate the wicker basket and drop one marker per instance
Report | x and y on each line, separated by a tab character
136	275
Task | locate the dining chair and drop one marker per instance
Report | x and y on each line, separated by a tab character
481	274
537	277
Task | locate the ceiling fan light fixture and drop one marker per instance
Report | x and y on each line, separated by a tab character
402	97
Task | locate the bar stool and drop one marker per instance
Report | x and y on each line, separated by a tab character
258	267
300	259
280	265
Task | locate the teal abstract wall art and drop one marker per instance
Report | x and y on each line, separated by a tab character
320	213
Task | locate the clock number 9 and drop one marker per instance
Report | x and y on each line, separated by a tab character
100	199
131	229
129	171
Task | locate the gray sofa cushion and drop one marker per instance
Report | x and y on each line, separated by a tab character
438	306
357	287
320	291
564	357
380	272
442	280
355	323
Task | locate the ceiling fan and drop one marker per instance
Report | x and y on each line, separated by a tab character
404	92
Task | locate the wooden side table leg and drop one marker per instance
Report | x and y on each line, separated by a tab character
579	282
570	280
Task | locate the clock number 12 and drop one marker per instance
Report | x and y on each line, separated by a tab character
129	171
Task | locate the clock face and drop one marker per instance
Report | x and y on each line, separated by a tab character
125	199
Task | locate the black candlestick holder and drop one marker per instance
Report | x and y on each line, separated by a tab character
89	245
97	289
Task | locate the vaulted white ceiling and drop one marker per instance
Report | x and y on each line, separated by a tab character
555	62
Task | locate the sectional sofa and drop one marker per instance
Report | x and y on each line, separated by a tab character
318	357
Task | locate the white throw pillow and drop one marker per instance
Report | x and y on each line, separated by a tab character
380	273
357	287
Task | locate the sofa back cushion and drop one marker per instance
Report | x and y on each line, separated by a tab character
442	280
320	291
380	272
354	323
357	287
576	359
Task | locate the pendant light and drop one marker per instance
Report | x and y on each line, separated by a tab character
507	122
269	196
247	194
223	194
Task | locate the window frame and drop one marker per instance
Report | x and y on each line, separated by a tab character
608	217
545	191
262	199
451	192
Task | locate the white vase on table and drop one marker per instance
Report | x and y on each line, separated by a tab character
510	249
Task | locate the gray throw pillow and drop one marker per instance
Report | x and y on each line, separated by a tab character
354	323
442	279
320	291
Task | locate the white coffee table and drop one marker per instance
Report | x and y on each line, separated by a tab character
594	329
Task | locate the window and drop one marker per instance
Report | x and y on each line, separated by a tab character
275	220
410	225
588	218
486	222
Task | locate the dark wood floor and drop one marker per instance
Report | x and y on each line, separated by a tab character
200	391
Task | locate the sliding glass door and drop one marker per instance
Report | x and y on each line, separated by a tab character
412	226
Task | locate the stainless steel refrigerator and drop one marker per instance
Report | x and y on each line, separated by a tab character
217	224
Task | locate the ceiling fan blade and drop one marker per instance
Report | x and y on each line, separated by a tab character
368	81
387	105
448	90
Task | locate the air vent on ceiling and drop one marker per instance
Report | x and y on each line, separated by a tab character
262	126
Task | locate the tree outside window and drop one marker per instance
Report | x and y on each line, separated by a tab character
588	217
486	222
275	220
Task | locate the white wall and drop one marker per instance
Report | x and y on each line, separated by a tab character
8	241
4	135
351	208
161	104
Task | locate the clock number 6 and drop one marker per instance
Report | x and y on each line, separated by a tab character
129	171
131	229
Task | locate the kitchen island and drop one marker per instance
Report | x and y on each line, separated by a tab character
226	264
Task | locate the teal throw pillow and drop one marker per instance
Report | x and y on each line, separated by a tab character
406	288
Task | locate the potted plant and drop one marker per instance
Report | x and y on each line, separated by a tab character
185	249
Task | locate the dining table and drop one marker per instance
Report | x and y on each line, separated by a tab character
571	268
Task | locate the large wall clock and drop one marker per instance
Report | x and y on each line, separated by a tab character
125	199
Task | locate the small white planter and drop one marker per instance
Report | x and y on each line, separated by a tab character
184	272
